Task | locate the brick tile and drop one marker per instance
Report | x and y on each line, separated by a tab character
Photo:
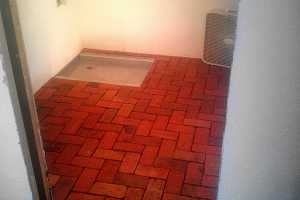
87	162
126	121
167	148
108	127
63	187
66	156
112	190
131	180
56	120
199	192
180	128
212	165
50	132
70	139
201	136
125	110
177	117
214	150
144	128
88	147
149	155
65	170
92	109
172	164
91	121
109	154
108	171
126	146
161	123
210	181
153	172
142	116
109	104
154	190
211	117
164	134
108	140
90	133
148	141
185	141
129	163
134	194
188	156
86	180
109	95
194	173
197	123
108	115
174	182
168	196
83	196
52	180
217	129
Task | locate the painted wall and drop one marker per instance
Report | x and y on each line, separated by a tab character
261	155
51	37
170	27
14	182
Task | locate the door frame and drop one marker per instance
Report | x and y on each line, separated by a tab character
32	142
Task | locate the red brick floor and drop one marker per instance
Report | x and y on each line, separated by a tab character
160	141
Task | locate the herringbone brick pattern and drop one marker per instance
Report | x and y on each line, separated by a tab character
160	141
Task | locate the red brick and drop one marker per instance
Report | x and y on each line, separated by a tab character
212	165
126	146
217	129
149	155
109	154
91	121
201	136
154	190
168	196
90	133
52	180
134	194
66	156
112	190
86	180
82	196
211	117
199	192
214	150
177	117
108	127
108	171
185	141
167	148
126	121
129	162
65	170
188	156
73	126
161	123
172	164
50	132
142	116
45	93
131	180
56	120
164	134
63	187
108	115
92	109
88	147
180	128
87	162
159	110
70	139
144	128
108	140
109	95
109	104
197	123
145	140
153	172
210	181
125	110
194	173
174	182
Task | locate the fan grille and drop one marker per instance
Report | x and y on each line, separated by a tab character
219	39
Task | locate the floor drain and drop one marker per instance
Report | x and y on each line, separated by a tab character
89	67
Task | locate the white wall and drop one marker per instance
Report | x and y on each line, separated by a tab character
14	182
261	156
170	27
51	37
